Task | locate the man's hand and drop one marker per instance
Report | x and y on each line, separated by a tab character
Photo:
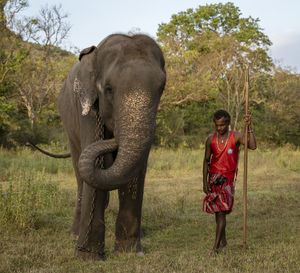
251	139
247	119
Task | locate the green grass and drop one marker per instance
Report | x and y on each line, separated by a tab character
25	159
38	196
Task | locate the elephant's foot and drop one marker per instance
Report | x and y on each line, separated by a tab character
86	254
75	226
74	235
140	254
74	231
129	246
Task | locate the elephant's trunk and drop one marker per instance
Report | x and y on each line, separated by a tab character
134	135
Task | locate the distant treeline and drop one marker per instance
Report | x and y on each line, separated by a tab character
209	51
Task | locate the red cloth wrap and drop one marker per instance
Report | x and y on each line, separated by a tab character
219	197
224	161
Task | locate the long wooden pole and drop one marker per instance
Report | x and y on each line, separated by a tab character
245	161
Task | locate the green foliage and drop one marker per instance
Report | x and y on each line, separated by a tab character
169	128
24	196
23	158
206	21
31	73
206	49
276	108
6	109
185	125
28	188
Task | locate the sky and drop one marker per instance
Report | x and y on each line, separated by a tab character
91	21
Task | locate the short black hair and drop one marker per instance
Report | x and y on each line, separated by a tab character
222	114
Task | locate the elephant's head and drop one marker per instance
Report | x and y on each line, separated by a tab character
123	78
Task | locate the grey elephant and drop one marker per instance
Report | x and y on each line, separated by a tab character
108	107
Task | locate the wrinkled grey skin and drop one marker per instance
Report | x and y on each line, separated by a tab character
123	79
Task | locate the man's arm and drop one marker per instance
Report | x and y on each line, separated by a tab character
251	137
206	161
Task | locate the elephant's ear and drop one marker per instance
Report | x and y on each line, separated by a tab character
86	51
85	98
84	87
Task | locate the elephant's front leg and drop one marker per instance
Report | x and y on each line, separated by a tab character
128	225
90	243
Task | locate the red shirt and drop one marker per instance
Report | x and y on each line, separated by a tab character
224	157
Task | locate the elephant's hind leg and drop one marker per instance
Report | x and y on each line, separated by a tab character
77	214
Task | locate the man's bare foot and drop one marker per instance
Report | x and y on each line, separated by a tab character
223	245
214	252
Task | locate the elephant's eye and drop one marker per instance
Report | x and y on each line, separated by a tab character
96	105
108	89
108	92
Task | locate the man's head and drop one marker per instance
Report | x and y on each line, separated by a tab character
222	121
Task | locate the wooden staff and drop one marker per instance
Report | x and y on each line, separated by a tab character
245	160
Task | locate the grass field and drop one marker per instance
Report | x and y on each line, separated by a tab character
37	196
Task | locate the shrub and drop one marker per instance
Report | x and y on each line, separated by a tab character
24	196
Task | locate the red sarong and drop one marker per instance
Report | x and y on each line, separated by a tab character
219	197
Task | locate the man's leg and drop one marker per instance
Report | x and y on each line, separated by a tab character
223	241
220	230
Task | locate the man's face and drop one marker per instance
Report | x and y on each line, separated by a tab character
221	125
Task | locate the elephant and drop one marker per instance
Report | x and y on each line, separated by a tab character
108	105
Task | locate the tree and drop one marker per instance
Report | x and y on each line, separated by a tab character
283	103
14	31
40	76
207	50
32	67
12	54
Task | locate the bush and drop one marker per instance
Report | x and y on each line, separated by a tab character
25	196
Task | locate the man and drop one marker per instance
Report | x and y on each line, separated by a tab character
220	169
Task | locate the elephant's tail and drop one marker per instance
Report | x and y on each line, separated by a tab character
28	143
